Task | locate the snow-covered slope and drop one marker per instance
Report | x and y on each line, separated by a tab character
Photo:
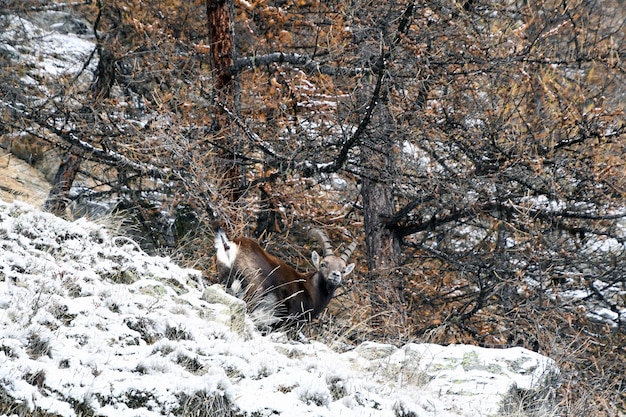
91	325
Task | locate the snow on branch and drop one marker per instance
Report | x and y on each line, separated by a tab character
87	151
302	61
538	213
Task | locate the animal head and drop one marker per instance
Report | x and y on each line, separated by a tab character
331	267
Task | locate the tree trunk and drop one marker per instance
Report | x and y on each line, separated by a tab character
385	283
221	38
383	247
222	43
58	200
104	77
103	81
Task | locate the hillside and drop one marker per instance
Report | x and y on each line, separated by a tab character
92	326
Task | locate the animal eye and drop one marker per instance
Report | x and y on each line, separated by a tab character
324	264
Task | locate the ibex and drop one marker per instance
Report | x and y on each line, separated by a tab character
278	291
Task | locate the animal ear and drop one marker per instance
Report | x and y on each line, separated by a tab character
348	269
315	258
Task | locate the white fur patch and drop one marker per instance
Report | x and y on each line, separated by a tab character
264	313
236	287
226	250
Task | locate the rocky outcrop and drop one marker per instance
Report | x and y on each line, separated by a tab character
20	180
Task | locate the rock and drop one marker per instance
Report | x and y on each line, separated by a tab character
236	308
21	181
468	379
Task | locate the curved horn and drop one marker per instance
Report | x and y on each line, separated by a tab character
323	240
346	253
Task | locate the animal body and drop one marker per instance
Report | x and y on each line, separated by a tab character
276	292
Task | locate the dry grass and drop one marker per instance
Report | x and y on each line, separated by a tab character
204	404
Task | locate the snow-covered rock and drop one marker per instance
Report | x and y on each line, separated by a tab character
91	325
53	42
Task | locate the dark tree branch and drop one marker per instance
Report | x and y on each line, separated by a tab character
356	137
249	133
405	23
434	222
401	215
309	65
89	152
58	200
586	135
302	61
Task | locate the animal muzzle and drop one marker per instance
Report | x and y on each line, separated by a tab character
335	278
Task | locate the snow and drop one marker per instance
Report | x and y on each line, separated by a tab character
89	320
